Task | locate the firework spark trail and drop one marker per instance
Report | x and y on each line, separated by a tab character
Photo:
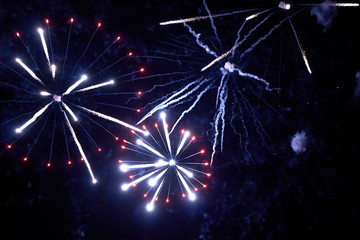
32	74
111	82
243	25
159	172
67	108
112	119
332	4
257	14
192	105
200	43
267	34
75	85
186	20
33	119
219	115
241	42
300	47
220	86
256	78
43	42
171	99
212	22
82	153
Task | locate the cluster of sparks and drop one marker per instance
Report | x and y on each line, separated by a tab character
166	161
212	77
59	96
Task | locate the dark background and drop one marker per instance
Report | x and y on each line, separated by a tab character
274	194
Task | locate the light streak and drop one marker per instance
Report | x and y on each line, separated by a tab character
33	119
43	42
32	74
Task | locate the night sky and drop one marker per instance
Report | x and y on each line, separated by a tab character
261	187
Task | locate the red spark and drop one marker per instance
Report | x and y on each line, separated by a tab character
139	92
142	69
138	110
130	54
99	24
71	20
17	34
9	146
47	20
123	147
116	138
99	149
69	162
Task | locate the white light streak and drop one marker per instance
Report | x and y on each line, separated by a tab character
82	153
192	19
154	180
191	195
45	93
114	120
32	74
76	84
33	119
53	70
186	135
43	42
150	206
187	172
96	86
135	182
163	117
70	111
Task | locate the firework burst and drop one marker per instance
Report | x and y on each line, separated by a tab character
54	91
169	163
